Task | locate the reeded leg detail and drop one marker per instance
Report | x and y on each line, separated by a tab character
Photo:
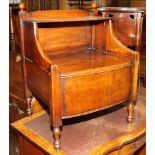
29	106
130	109
56	135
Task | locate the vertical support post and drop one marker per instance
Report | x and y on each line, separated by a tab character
29	105
135	78
93	12
130	109
11	28
135	72
27	92
138	38
56	106
139	24
93	36
80	4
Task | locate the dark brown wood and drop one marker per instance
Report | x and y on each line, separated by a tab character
11	31
14	28
143	53
27	92
79	4
33	5
16	91
66	66
127	24
17	100
29	148
56	106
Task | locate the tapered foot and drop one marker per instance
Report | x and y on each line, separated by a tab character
29	106
130	109
56	135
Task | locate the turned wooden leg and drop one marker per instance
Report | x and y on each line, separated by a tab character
56	135
29	106
130	109
11	31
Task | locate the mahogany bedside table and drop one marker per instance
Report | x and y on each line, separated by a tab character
66	66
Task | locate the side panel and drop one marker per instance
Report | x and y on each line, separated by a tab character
38	81
83	94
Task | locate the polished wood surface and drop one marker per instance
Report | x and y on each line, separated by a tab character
65	65
101	133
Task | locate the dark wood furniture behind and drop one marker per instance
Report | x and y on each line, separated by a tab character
65	65
33	5
80	4
17	100
127	24
14	29
143	53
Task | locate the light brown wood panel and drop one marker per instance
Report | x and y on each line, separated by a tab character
95	91
60	38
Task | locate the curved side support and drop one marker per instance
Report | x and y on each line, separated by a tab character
39	48
113	45
31	52
31	47
56	105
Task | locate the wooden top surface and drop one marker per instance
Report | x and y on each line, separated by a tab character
85	135
65	19
88	62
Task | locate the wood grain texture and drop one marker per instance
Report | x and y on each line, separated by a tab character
113	46
67	67
53	43
79	91
55	104
129	27
87	62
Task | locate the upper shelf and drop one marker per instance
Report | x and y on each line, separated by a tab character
66	19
